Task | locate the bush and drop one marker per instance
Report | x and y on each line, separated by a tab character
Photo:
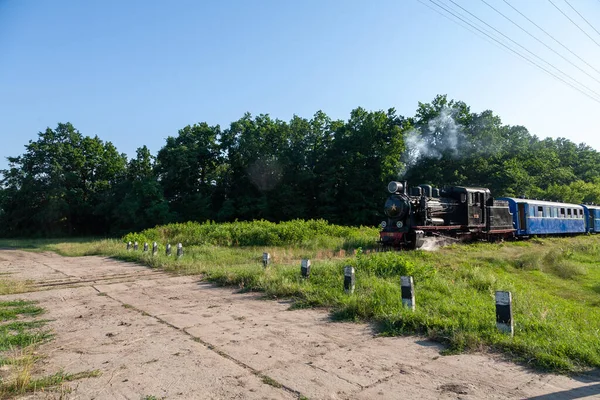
255	233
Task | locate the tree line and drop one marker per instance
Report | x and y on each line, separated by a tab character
67	184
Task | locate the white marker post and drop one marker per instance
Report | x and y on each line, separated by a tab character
179	250
145	247
408	292
168	250
136	246
266	260
154	248
504	314
128	246
305	268
349	279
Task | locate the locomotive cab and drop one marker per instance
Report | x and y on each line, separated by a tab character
471	211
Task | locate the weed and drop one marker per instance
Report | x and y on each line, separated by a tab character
9	286
24	383
529	262
270	381
12	309
19	337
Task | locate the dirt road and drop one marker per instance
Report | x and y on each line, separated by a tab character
172	337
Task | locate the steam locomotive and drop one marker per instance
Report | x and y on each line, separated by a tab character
462	213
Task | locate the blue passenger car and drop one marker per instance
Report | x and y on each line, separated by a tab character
537	217
592	218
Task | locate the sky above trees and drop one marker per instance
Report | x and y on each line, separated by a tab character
135	72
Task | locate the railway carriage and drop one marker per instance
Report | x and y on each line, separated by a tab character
538	217
592	218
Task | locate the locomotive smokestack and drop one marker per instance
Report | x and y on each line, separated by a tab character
395	187
405	190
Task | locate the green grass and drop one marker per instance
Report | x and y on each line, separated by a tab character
25	384
12	309
555	284
20	334
270	381
309	234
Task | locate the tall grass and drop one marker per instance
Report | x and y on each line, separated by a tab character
312	233
10	286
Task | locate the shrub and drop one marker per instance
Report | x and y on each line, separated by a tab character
255	233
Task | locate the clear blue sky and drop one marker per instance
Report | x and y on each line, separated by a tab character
134	72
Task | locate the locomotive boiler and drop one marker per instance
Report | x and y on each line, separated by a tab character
456	212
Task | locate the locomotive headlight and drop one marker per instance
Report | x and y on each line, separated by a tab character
383	224
399	224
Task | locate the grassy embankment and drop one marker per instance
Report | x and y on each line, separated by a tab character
555	283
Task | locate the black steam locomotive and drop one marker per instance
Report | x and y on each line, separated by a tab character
455	212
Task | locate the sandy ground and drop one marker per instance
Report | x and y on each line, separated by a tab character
172	337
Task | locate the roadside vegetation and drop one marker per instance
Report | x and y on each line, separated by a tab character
22	330
10	286
554	281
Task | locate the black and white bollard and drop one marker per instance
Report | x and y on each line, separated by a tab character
504	314
266	259
168	250
154	248
136	246
349	279
128	246
145	247
305	268
408	291
179	250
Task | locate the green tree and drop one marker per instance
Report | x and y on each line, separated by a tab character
140	203
188	169
254	148
56	187
364	156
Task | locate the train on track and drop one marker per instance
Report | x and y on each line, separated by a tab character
466	213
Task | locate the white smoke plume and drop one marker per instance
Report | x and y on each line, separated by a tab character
441	136
435	243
